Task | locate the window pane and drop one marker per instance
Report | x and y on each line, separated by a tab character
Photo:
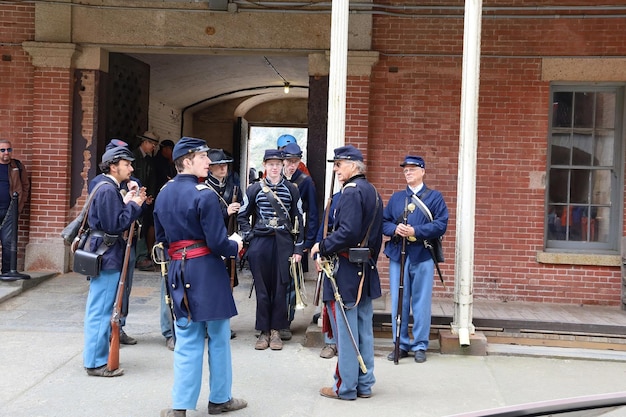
558	185
560	154
605	110
579	186
604	149
556	229
562	109
601	183
583	110
582	152
601	224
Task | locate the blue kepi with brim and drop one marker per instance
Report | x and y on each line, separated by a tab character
418	161
347	153
188	145
273	154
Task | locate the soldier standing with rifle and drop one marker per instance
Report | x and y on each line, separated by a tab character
418	268
229	196
353	280
110	216
189	222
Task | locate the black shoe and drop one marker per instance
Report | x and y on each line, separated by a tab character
392	356
420	356
126	339
232	405
285	334
233	334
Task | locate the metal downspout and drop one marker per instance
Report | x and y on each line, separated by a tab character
466	191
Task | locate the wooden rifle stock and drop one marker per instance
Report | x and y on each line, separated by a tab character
396	347
113	361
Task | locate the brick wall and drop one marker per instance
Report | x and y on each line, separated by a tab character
16	94
415	109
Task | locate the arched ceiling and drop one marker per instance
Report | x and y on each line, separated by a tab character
182	81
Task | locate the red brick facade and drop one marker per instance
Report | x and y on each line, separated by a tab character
409	104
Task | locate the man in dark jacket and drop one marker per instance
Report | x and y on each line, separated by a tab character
357	224
13	179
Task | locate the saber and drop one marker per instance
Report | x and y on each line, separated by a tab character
159	258
325	264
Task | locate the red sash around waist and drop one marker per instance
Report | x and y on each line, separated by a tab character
187	249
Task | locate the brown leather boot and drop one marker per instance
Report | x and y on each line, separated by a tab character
263	341
276	342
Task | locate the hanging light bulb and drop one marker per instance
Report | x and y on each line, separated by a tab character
286	89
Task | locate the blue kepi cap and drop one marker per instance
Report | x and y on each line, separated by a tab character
347	153
272	154
114	155
413	160
188	145
292	150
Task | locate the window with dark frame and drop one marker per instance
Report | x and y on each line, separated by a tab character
583	185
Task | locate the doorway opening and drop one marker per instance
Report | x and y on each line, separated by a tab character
264	137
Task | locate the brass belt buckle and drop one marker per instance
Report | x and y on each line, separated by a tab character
273	222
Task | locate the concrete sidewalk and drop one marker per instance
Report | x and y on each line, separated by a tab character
41	361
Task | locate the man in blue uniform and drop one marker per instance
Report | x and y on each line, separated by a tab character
134	184
292	155
419	266
276	209
188	220
357	224
110	216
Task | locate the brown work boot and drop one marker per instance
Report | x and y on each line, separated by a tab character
103	371
328	351
263	342
276	343
168	412
232	405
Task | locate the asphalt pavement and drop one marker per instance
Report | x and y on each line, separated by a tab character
43	376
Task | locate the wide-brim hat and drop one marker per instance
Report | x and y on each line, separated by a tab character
413	160
218	156
114	155
149	136
347	153
188	145
272	154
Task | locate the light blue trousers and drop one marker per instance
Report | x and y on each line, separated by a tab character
98	310
188	362
349	379
417	297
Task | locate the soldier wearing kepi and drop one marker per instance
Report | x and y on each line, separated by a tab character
110	216
292	155
275	206
419	266
189	222
357	224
